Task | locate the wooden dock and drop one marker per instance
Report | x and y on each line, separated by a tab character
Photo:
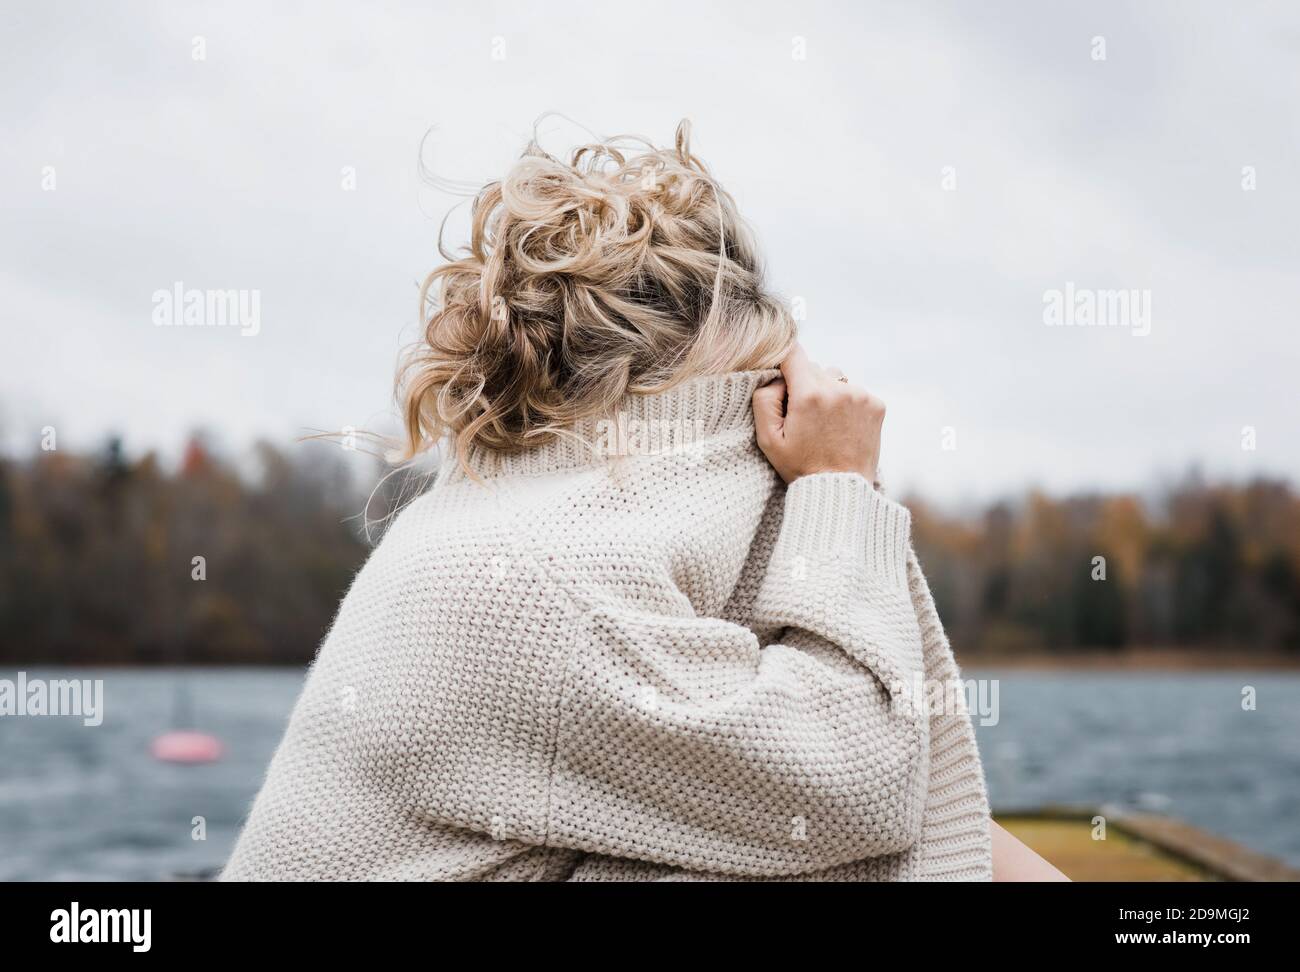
1138	847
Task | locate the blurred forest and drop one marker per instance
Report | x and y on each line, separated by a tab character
1215	568
97	561
97	555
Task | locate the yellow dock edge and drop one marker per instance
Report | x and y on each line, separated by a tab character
1112	845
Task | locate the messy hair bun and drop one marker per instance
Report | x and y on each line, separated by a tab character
627	270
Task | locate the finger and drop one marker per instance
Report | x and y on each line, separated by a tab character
834	374
769	411
798	369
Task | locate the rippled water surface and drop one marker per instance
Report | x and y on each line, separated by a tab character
91	803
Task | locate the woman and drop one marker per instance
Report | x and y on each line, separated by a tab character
652	620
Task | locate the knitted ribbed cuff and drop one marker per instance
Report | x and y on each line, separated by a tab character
839	516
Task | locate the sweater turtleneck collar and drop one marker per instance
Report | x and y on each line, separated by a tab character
670	420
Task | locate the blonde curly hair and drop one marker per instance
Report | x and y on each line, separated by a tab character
627	270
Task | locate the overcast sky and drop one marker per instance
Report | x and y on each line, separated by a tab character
921	177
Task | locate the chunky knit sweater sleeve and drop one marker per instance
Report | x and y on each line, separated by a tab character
794	756
955	843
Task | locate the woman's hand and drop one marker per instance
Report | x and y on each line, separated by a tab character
811	421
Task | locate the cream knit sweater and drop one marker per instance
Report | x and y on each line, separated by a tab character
664	666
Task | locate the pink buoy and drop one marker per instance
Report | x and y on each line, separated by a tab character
186	746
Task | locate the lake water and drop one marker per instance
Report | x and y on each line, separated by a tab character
80	802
